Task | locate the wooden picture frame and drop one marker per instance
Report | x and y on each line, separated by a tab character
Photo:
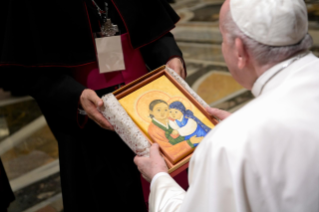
180	162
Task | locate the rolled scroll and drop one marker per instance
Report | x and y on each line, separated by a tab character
124	126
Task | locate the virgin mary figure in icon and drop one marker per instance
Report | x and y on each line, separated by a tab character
185	123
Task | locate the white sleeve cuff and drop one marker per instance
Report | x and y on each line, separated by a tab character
157	176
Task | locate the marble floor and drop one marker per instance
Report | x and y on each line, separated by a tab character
29	150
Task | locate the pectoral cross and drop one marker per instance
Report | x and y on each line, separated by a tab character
108	29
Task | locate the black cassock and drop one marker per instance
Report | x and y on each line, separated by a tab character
6	194
39	41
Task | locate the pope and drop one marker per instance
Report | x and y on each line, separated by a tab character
264	157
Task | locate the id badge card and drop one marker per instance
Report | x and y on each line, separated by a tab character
110	54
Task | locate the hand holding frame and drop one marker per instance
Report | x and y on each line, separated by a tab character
150	166
90	102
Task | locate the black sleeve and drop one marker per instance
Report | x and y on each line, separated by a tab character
53	88
6	194
161	51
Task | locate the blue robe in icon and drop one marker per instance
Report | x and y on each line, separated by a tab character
201	130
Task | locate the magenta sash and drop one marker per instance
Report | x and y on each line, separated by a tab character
90	77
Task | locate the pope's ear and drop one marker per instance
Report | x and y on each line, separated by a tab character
241	53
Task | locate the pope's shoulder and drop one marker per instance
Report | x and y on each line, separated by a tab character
284	116
267	125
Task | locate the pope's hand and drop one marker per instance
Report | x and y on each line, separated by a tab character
150	166
195	139
177	65
220	114
90	102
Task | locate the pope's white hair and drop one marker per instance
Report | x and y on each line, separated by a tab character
264	54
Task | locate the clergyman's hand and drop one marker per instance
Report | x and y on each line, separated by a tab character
150	166
90	102
177	65
220	114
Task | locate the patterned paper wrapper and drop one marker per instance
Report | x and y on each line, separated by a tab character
183	83
124	126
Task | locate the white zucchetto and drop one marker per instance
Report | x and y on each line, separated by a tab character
271	22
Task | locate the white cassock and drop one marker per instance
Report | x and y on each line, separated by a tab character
263	158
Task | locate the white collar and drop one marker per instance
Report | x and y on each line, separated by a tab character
181	119
166	126
272	72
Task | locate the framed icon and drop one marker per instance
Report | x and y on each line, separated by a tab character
167	114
